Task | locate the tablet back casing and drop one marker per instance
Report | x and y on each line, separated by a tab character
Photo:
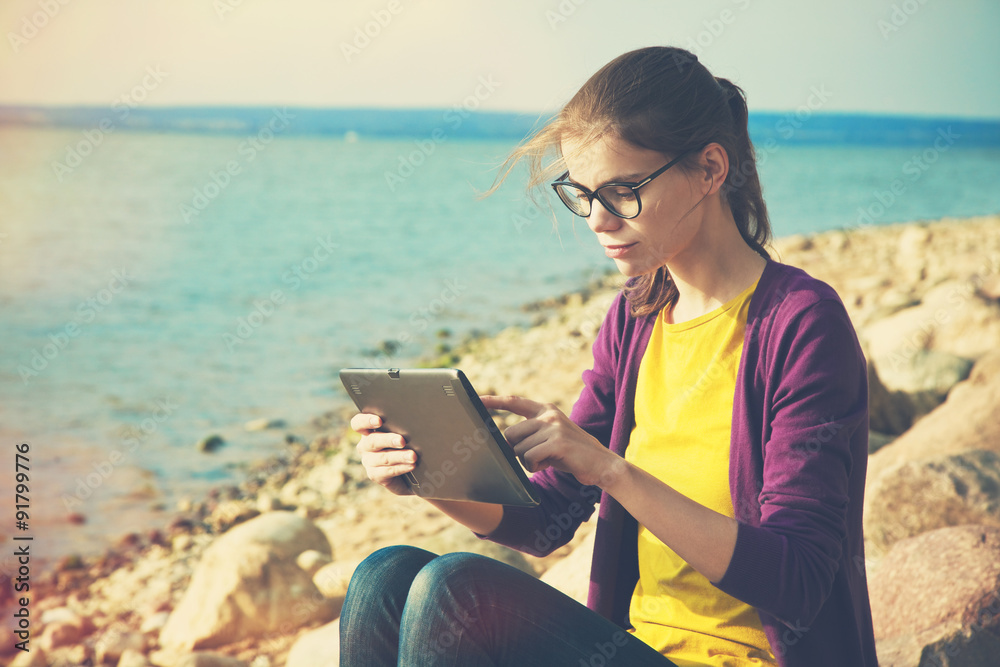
461	453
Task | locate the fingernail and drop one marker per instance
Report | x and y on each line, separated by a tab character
374	422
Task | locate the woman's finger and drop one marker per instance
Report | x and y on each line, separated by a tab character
528	443
376	441
388	457
363	422
536	458
383	466
519	405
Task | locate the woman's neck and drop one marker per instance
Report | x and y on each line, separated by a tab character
715	267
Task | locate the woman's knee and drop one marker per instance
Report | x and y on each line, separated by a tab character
390	567
453	574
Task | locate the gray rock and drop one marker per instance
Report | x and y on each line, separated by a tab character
924	371
248	584
952	319
936	588
919	496
317	648
207	659
210	443
893	411
972	649
877	441
263	424
966	421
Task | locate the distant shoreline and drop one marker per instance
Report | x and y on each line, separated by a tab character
796	126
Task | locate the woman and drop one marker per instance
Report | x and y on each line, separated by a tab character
722	430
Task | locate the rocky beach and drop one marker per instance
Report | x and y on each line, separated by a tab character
254	574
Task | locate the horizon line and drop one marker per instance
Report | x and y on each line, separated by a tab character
495	112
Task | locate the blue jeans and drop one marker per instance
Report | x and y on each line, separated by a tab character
407	606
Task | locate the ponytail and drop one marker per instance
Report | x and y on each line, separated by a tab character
742	188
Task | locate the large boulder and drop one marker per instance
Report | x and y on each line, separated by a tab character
248	584
919	496
935	599
951	318
967	421
892	412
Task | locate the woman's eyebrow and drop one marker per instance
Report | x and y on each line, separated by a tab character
624	178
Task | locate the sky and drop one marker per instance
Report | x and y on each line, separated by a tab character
925	57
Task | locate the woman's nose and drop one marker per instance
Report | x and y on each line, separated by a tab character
602	220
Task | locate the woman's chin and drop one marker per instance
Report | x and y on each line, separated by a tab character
631	269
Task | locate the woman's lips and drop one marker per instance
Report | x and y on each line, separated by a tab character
616	251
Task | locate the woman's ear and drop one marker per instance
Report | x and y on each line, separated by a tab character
714	163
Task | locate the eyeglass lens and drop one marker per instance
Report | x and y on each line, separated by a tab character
618	199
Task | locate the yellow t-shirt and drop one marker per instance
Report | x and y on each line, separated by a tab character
683	419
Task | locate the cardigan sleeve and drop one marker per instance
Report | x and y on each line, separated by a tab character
815	435
565	503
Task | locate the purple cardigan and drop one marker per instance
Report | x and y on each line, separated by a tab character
798	456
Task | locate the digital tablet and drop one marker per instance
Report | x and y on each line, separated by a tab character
461	454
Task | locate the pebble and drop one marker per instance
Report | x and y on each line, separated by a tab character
210	443
263	424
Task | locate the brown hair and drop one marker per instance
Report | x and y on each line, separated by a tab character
662	99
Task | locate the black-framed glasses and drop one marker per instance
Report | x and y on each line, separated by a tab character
620	199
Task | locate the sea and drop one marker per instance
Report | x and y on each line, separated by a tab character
160	287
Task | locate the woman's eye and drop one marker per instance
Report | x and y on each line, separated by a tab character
619	194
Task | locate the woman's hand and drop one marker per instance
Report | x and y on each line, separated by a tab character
385	456
549	438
